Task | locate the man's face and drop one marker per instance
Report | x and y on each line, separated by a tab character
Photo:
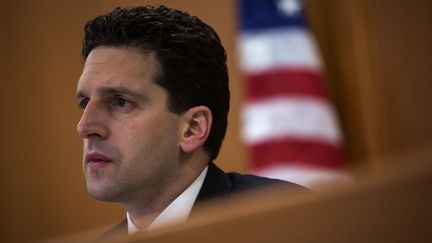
131	140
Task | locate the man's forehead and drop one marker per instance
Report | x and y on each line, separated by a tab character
107	60
119	63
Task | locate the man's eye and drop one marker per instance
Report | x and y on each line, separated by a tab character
121	102
82	103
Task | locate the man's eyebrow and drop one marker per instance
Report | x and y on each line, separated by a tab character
121	90
114	90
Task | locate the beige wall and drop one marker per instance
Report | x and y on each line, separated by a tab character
378	72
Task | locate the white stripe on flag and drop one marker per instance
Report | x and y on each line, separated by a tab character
277	47
294	116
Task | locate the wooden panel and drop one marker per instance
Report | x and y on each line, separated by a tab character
378	68
401	37
341	33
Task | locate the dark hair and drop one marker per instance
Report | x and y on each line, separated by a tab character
191	57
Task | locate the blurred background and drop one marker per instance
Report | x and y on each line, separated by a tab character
377	73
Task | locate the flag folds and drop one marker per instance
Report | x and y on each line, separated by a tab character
289	124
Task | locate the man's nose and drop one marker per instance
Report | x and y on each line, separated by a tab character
92	123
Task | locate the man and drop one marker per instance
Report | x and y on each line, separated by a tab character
155	98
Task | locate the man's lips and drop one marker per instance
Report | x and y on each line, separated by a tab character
94	158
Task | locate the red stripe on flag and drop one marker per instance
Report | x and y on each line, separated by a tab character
295	151
284	82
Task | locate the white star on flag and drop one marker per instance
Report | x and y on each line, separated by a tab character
289	7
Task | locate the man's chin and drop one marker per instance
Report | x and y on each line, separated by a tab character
103	194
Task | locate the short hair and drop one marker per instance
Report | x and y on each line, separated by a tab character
191	57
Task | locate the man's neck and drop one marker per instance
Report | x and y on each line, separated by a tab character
142	218
143	214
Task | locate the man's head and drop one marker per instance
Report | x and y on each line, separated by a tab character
191	58
154	90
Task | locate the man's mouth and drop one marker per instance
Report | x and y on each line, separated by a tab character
97	160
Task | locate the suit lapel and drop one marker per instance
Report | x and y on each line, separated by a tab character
216	185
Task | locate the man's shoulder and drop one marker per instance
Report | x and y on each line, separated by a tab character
219	184
244	182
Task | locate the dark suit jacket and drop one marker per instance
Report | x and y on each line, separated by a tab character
218	184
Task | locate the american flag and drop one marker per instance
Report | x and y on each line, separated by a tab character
289	124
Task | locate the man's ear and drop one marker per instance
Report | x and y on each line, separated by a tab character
197	122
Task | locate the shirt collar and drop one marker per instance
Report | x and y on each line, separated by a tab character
178	210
